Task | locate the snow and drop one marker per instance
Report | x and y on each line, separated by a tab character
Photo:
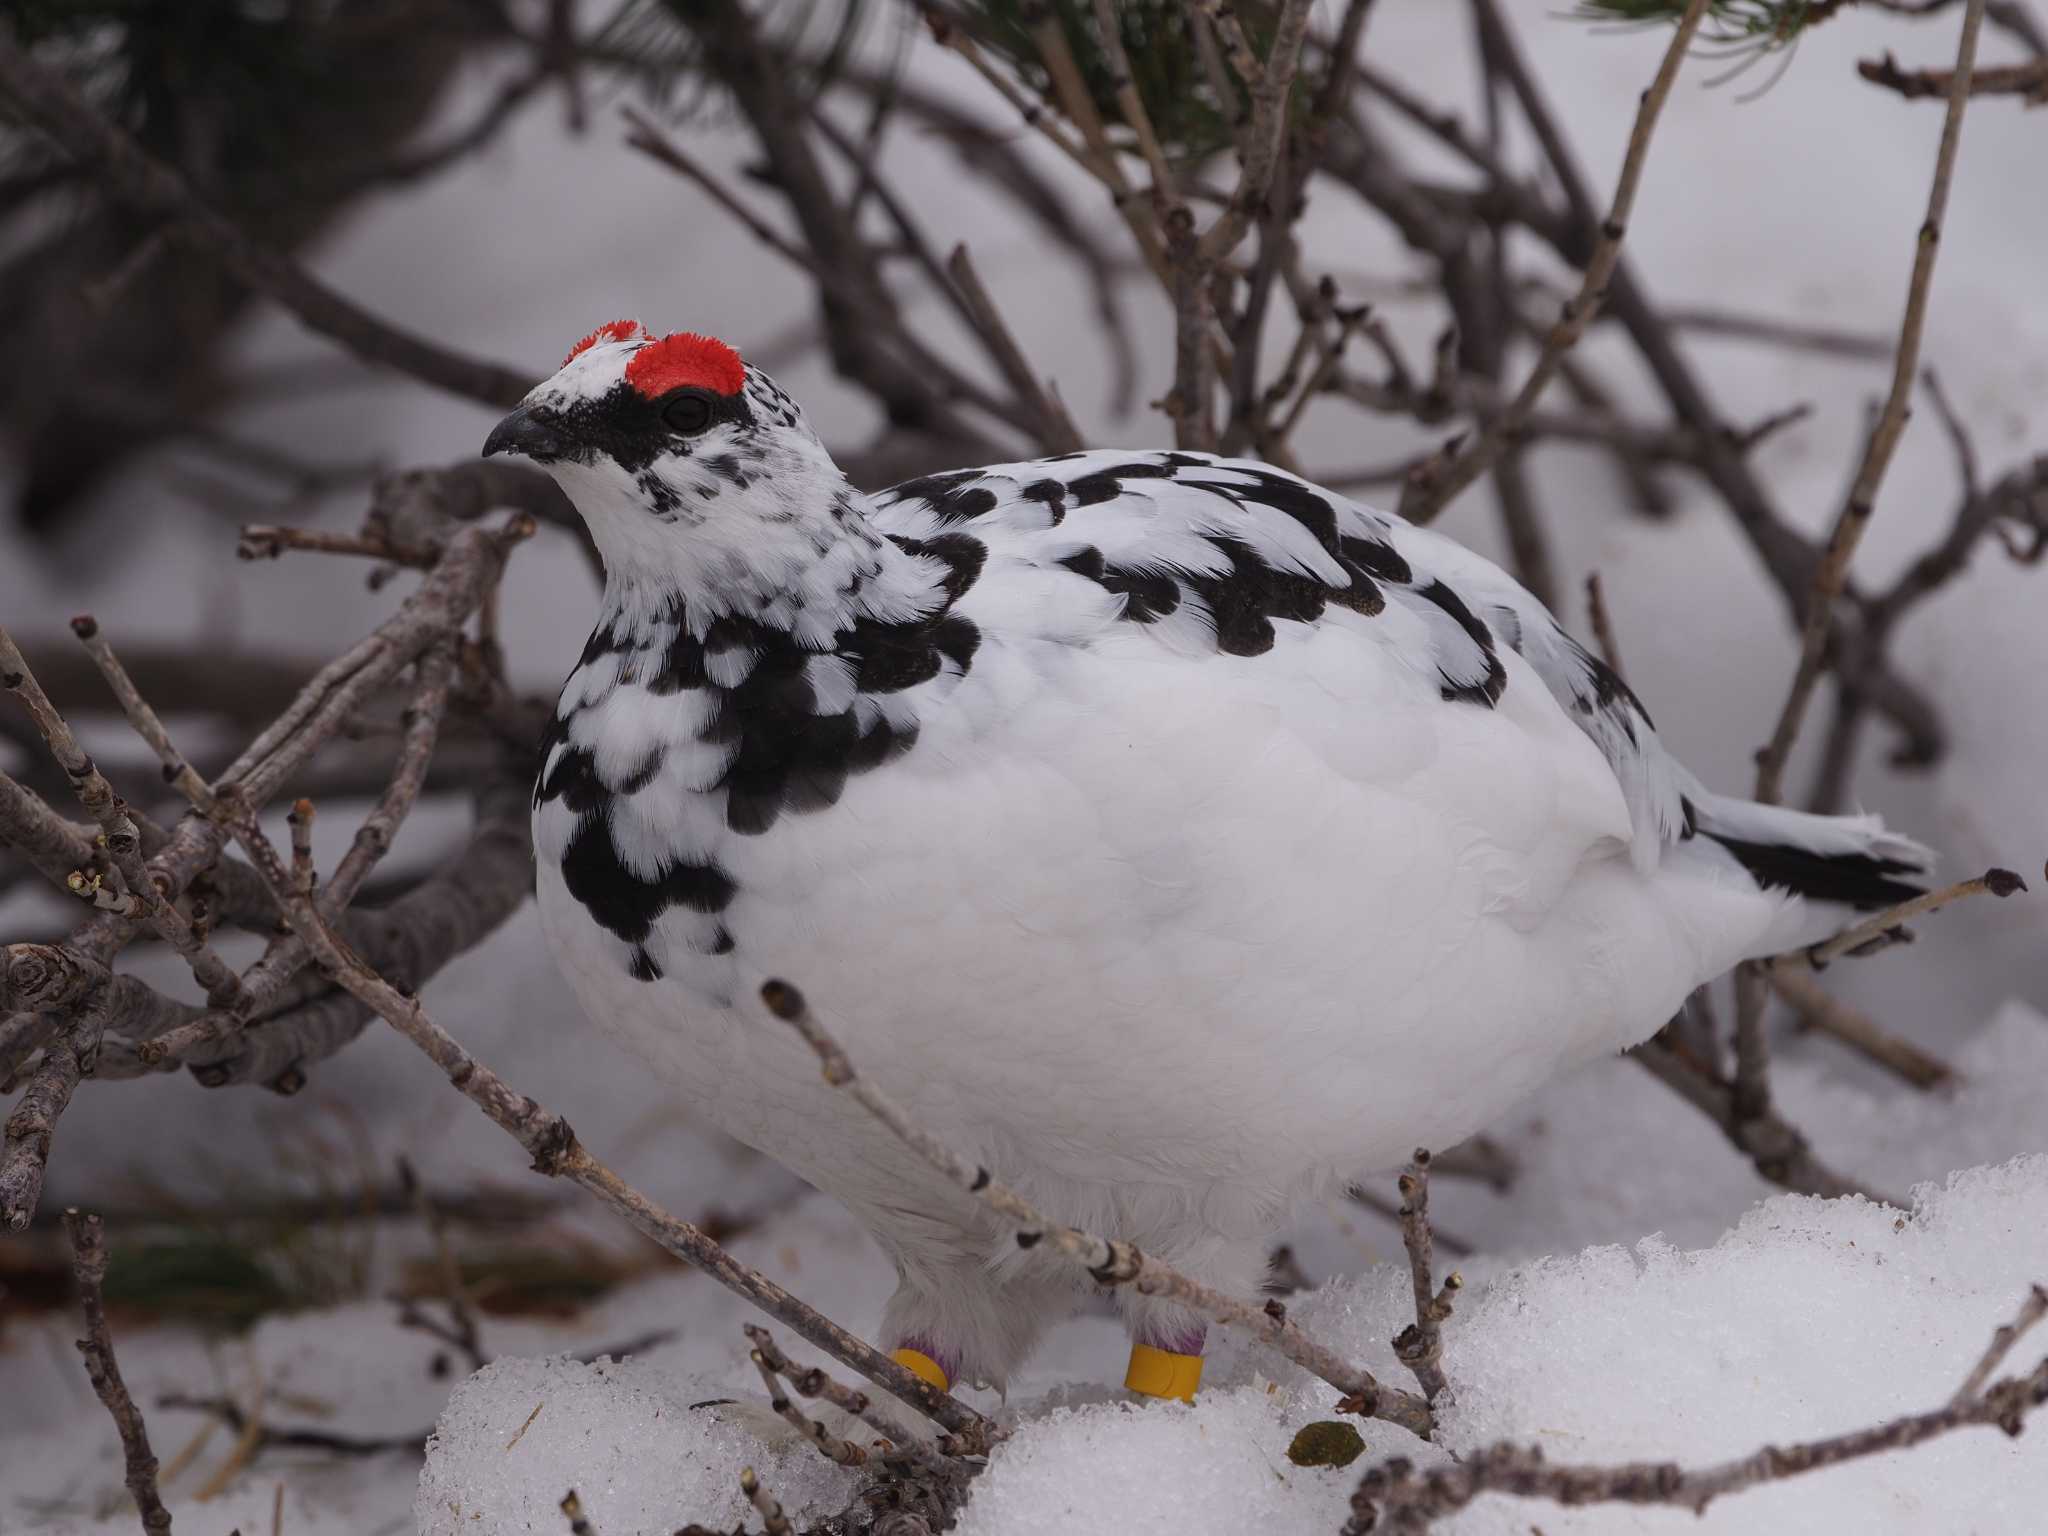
1810	1318
1691	1344
641	1455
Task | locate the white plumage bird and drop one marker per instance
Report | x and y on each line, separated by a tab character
1174	837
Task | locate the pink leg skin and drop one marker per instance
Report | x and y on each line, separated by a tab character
1188	1340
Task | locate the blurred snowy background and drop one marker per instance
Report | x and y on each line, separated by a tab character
1798	203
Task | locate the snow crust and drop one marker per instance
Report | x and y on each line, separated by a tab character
641	1454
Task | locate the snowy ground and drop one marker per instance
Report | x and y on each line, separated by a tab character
1804	1320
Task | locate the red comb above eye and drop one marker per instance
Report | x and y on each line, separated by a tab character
686	359
614	330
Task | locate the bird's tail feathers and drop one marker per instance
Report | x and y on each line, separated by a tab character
1839	865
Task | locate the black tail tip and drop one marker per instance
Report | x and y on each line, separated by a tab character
1860	880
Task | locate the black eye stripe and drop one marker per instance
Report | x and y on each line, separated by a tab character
625	426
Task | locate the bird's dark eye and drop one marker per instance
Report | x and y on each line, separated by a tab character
688	412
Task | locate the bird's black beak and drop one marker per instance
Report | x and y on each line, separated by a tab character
526	431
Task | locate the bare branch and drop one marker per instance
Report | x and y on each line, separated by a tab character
410	940
1420	1345
1835	1018
1131	105
89	1264
1427	498
841	1452
54	845
813	1382
773	1521
265	541
1602	625
1056	431
1875	930
572	1507
1826	341
257	1436
422	725
142	897
1775	1147
462	1332
1832	574
1270	84
32	1127
2029	80
144	719
2032	1310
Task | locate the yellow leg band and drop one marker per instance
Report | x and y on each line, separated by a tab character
1161	1373
922	1366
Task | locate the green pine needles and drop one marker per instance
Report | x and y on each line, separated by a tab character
1737	24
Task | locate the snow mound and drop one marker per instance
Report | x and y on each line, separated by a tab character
1219	1466
643	1449
1809	1318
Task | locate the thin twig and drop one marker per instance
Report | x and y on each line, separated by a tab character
462	1332
579	1524
1390	1210
422	729
338	689
1836	1019
269	541
1426	497
2029	79
55	845
89	1264
1270	83
1958	433
1102	158
949	35
255	1436
177	772
646	137
2032	1310
117	827
1107	1261
1131	104
773	1521
1775	1147
1602	624
1876	929
813	1381
840	1452
1420	1345
142	899
1827	341
1056	430
1832	574
1751	1082
300	821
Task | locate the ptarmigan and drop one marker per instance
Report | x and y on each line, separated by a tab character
1171	835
